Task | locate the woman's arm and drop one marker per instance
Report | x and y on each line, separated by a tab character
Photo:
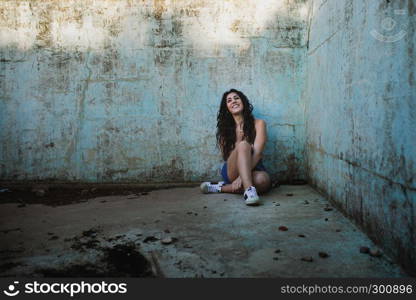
258	147
259	142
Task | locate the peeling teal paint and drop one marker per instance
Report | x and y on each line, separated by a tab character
129	91
361	118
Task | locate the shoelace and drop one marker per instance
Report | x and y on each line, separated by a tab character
251	192
212	188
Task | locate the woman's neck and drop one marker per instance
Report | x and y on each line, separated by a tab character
238	119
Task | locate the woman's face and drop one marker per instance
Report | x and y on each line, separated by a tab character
234	103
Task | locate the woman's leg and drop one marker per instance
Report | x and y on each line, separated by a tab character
261	180
229	189
239	164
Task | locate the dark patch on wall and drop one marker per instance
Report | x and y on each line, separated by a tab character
43	38
173	172
235	26
114	28
159	9
292	167
110	60
177	27
162	56
189	12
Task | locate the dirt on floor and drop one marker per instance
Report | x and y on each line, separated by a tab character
135	232
64	194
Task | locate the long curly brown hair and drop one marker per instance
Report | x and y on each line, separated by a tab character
226	136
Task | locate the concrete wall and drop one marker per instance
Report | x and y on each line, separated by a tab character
361	116
109	91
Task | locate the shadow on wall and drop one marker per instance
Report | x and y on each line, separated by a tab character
117	91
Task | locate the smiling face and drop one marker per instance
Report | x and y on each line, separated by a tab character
234	103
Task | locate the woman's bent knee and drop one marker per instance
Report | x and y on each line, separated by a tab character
261	181
243	146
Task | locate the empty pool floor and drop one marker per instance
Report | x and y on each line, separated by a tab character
183	233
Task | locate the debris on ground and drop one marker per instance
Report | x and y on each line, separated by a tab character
39	192
10	230
121	260
55	195
10	265
375	252
283	228
150	238
364	249
84	192
289	194
307	259
323	254
92	232
22	203
168	241
301	235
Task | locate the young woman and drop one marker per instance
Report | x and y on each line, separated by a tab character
241	139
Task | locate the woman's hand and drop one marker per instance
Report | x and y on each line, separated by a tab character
237	184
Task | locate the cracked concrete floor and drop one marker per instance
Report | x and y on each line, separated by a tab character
212	235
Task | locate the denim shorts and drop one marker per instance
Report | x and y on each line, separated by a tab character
259	167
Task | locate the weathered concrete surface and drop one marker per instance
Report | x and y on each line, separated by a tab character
111	91
361	116
215	238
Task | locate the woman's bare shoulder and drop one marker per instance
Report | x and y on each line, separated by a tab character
259	122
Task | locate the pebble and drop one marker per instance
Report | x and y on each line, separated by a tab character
283	228
166	241
301	235
289	194
375	252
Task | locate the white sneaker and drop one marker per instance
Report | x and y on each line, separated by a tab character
208	187
251	197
